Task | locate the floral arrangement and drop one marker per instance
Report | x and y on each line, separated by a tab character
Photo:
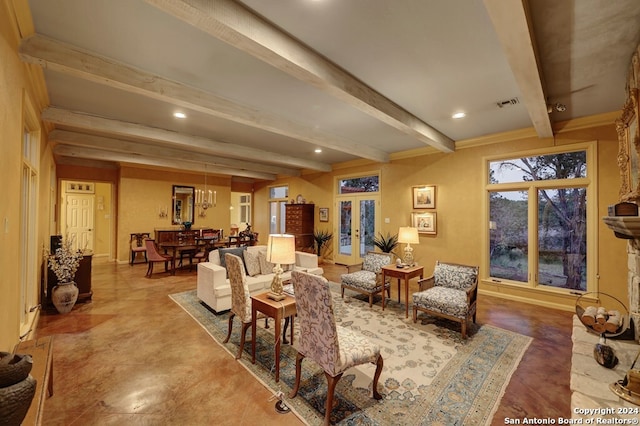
65	261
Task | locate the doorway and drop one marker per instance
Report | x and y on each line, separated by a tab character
86	212
358	221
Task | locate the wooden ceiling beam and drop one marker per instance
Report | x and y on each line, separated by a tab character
172	139
70	60
102	155
232	23
512	25
137	148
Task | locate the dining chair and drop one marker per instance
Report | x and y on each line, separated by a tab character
138	246
153	256
334	348
240	298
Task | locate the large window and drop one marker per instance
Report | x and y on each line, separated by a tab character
538	214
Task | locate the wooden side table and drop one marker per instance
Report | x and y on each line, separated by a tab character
404	274
285	308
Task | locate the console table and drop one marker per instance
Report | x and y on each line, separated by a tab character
176	235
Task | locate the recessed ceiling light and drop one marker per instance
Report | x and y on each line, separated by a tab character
459	115
179	115
318	150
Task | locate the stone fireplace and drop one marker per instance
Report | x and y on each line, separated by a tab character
628	227
633	250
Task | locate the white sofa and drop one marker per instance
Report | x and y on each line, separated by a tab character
213	285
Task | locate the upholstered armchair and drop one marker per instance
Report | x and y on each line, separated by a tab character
334	348
366	277
240	298
450	293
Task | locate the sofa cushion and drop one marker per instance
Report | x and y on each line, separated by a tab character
266	267
238	251
444	300
252	262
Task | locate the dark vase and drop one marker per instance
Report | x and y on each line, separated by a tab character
17	387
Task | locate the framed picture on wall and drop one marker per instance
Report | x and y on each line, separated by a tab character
424	197
425	222
323	214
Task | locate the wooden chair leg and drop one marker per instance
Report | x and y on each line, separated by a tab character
296	384
370	300
376	376
231	315
150	269
415	314
331	390
343	292
243	338
464	329
287	320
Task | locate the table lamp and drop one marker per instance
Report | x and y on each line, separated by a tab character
408	235
281	249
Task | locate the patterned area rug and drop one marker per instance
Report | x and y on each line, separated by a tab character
430	376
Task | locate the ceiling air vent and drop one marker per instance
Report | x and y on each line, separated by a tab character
508	102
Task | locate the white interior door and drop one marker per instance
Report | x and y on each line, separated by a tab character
358	222
79	220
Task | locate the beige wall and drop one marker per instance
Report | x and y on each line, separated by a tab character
142	192
459	191
103	220
18	91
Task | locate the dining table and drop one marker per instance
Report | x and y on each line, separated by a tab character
174	248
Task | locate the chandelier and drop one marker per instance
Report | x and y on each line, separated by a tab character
205	198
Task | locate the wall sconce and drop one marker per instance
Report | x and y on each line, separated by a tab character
163	212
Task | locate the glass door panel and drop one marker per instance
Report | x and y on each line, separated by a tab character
357	221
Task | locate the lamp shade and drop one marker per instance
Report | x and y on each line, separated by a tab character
408	235
281	249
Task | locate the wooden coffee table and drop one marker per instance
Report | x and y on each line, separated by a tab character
404	274
277	310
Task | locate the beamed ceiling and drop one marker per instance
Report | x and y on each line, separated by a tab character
264	83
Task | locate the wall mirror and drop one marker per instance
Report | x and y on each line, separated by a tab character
182	204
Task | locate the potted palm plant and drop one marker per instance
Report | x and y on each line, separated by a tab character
321	237
386	243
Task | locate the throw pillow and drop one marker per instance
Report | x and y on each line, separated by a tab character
265	266
252	263
238	251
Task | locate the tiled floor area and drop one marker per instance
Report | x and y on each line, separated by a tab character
132	356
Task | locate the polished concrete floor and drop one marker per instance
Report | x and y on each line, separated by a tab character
132	356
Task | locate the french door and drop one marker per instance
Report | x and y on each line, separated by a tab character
358	221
